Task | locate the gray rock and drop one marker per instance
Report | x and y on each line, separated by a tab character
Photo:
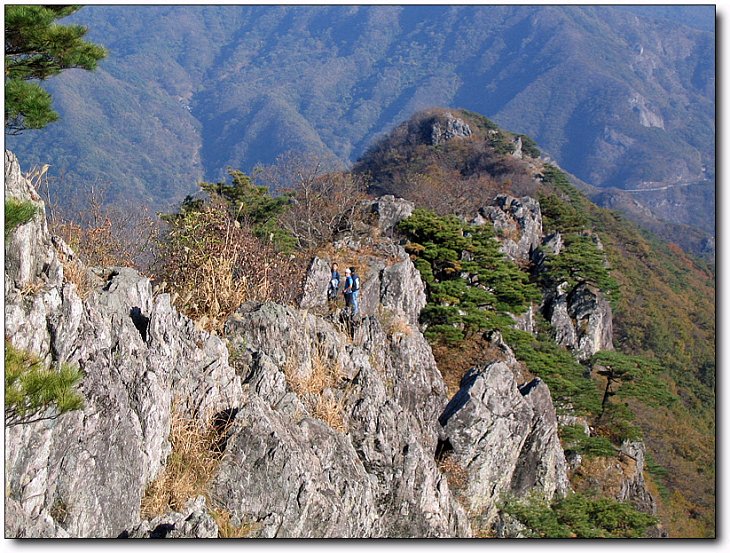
391	211
293	479
402	290
506	438
633	488
593	320
542	465
526	321
316	284
387	393
517	223
447	128
138	356
518	148
582	320
193	522
557	313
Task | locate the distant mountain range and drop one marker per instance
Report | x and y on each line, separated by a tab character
622	97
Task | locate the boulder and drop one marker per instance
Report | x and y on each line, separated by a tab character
505	436
316	284
390	211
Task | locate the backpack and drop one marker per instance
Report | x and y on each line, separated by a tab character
355	282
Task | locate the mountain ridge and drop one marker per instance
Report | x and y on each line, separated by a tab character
198	98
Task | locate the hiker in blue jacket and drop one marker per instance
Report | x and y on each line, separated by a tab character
352	289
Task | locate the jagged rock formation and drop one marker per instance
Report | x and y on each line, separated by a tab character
582	320
284	469
138	355
390	211
517	223
334	428
447	129
382	388
506	437
389	280
581	316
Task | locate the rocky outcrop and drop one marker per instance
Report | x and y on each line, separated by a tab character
620	477
582	320
448	127
392	283
139	356
347	428
517	223
593	320
390	211
506	438
316	284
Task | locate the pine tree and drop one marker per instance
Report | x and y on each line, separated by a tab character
34	393
37	48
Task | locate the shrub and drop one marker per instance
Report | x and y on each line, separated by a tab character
17	213
34	393
635	376
107	235
579	262
315	386
571	389
579	516
576	440
252	206
212	263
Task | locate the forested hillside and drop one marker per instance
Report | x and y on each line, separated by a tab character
663	300
620	99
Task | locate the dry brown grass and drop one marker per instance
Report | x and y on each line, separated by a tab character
77	274
329	411
324	373
226	527
393	323
190	467
32	287
456	474
316	387
211	264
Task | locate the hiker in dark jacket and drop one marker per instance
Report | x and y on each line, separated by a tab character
347	290
352	289
334	285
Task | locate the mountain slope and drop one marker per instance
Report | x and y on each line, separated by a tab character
664	310
617	99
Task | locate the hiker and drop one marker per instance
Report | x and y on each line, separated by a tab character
334	285
352	289
347	291
355	291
